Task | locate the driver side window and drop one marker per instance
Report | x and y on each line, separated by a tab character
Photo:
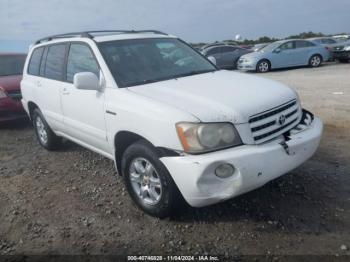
81	59
287	46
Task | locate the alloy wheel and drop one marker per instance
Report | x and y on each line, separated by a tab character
41	130
145	181
263	66
315	61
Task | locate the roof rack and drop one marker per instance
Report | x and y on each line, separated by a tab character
90	34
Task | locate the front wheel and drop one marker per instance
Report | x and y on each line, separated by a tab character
263	66
315	61
148	181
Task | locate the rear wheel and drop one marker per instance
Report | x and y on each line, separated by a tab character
263	66
44	134
148	181
315	61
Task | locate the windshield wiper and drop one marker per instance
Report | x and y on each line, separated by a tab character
148	81
191	73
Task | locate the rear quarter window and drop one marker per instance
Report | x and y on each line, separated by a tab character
302	44
34	64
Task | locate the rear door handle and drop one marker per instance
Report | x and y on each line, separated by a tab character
38	84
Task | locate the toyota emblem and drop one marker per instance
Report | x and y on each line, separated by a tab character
282	120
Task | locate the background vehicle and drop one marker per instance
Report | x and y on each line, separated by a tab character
341	38
11	68
283	54
226	55
341	52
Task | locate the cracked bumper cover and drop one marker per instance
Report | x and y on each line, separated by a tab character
255	165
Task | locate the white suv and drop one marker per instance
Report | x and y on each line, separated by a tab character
174	124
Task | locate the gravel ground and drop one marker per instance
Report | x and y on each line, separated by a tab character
72	202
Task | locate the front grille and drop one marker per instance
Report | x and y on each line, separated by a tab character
274	122
15	95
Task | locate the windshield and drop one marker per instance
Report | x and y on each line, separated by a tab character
271	47
140	61
11	64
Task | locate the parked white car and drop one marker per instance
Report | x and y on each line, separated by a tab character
175	125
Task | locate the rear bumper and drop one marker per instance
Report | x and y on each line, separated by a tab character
11	109
255	165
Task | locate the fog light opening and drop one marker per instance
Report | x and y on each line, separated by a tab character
224	170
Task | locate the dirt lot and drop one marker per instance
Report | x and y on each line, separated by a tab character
72	202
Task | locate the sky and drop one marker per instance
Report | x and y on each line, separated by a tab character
24	21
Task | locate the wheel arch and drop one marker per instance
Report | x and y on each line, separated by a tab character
319	54
31	107
123	139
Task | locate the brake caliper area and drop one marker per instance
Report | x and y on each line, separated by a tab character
304	124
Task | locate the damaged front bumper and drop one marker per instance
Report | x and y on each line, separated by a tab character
254	165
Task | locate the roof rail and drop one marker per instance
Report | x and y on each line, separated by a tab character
89	34
75	34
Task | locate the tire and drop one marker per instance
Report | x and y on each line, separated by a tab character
153	191
344	60
315	61
46	137
263	66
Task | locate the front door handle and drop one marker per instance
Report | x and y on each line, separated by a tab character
65	91
38	84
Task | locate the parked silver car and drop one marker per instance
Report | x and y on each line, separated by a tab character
341	52
226	56
285	53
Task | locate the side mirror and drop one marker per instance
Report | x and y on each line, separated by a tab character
86	81
277	50
212	59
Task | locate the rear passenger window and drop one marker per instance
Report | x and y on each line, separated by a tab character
55	61
302	44
80	59
34	63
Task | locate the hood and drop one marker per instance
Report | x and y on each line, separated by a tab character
219	96
11	83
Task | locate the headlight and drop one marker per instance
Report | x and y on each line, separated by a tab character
204	137
347	48
2	93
